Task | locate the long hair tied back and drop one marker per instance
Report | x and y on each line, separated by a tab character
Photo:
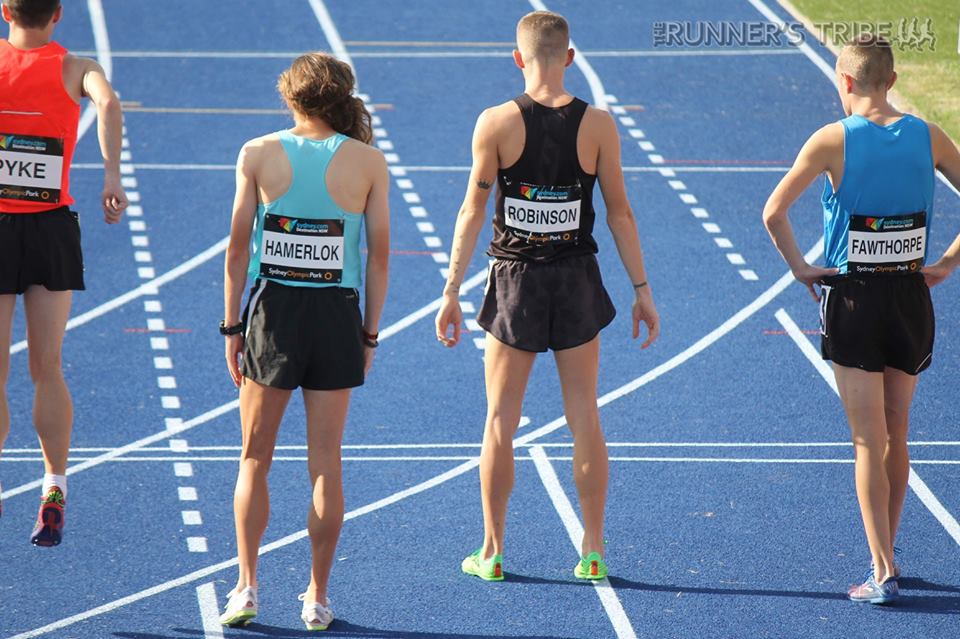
319	85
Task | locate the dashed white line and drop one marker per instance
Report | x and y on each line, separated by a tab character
723	242
183	469
192	518
688	198
710	227
187	493
197	544
736	259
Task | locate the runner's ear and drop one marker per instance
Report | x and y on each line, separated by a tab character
517	56
6	13
570	54
57	14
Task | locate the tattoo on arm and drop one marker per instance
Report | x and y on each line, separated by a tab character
483	184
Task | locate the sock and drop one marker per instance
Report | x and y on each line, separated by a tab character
60	481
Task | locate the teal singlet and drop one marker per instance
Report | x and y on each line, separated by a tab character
303	238
878	221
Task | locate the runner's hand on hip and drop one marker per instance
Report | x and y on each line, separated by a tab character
448	314
810	275
234	348
644	310
113	199
936	273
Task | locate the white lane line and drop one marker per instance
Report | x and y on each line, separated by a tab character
919	487
699	212
723	242
710	227
104	57
433	446
191	518
183	469
608	596
749	274
446	458
736	259
209	611
186	493
147	288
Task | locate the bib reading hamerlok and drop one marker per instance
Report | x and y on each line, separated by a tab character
31	168
886	245
306	250
544	214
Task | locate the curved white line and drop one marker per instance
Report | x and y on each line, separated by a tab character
102	43
596	86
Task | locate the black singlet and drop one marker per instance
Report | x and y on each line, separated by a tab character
544	208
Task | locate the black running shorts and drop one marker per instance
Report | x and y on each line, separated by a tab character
40	249
875	322
298	336
534	306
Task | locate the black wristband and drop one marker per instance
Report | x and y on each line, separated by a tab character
225	330
370	343
640	285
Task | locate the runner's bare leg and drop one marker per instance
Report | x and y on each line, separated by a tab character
326	416
578	368
506	371
261	410
47	313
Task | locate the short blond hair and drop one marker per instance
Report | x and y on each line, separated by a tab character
868	60
544	36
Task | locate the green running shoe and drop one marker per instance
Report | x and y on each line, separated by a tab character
591	567
487	569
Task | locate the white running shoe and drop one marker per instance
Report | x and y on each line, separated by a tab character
316	616
241	607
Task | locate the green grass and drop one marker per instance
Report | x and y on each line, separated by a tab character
928	81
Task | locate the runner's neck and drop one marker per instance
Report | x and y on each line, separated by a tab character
27	39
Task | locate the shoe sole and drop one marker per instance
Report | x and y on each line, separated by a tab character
467	571
315	627
50	534
876	601
242	618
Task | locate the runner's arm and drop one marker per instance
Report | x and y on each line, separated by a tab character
377	219
110	133
238	252
470	220
813	159
947	160
623	227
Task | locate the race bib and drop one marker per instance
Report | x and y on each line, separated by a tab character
296	250
31	168
886	245
544	214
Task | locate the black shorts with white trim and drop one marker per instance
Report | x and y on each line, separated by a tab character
872	323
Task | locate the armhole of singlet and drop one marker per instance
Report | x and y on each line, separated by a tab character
293	175
63	85
526	133
576	139
843	173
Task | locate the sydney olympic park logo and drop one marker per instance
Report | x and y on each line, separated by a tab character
912	34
